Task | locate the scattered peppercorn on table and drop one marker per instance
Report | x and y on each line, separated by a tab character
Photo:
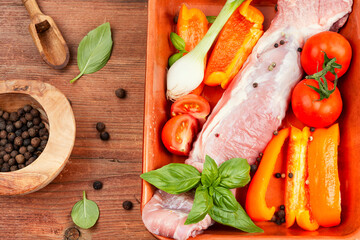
107	170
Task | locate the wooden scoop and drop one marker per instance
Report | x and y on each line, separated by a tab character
47	37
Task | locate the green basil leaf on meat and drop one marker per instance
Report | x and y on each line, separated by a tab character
224	197
85	213
237	219
173	178
202	204
234	173
210	172
94	50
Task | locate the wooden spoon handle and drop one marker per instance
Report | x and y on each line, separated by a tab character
32	8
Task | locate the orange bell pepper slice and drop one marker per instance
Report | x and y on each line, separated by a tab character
297	205
192	26
234	45
325	198
256	206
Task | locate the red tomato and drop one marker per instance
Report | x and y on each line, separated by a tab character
192	104
335	45
179	133
310	110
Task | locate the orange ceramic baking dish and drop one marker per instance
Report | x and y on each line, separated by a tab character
157	109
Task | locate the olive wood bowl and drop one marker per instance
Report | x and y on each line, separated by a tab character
57	114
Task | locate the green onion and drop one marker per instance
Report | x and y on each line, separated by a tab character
187	73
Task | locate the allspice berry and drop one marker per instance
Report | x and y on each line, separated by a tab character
18	141
29	116
34	112
104	136
20	158
27	108
120	93
127	205
33	132
13	116
35	142
100	126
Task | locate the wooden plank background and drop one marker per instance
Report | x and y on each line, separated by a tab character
117	163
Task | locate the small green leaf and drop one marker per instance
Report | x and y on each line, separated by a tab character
177	41
85	213
234	173
210	172
211	19
237	219
94	50
173	178
224	197
174	58
202	204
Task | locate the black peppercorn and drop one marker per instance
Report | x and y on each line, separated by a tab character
278	221
273	218
11	137
282	207
20	158
104	136
20	112
29	116
253	168
276	132
299	49
35	142
30	148
312	129
217	135
26	142
12	161
278	175
120	93
36	121
176	19
8	148
23	120
127	205
3	134
2	125
14	168
27	108
261	154
281	213
27	155
276	45
282	42
24	135
6	157
282	220
34	112
258	159
10	128
6	116
100	126
255	85
18	141
291	175
97	185
13	116
5	167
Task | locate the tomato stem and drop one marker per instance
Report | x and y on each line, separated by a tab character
328	66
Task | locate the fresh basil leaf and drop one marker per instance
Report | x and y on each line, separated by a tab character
174	58
210	172
202	204
234	173
224	197
94	50
177	41
85	213
237	219
173	178
211	19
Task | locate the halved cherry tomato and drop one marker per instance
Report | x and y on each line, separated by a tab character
310	110
192	104
179	133
335	46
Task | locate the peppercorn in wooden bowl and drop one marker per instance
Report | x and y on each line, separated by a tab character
57	117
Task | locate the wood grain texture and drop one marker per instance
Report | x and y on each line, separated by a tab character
117	163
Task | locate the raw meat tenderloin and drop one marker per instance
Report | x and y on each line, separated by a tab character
243	121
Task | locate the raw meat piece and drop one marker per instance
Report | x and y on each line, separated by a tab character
243	121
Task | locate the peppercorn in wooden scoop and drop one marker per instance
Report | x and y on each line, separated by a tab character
47	37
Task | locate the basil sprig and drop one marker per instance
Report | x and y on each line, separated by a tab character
94	50
179	44
212	194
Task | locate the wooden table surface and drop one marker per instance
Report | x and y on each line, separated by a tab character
117	163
